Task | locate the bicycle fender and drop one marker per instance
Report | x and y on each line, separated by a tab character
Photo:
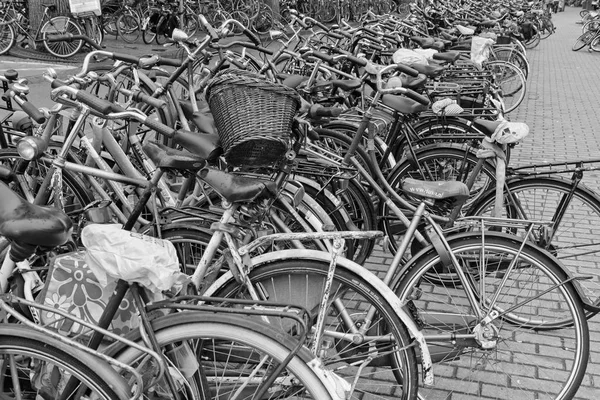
386	292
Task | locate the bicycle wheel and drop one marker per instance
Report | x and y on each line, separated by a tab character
546	28
264	21
350	210
241	17
593	25
511	80
294	280
7	38
75	196
93	30
575	218
229	354
583	40
514	355
595	43
61	26
33	365
128	27
532	42
149	29
190	24
513	56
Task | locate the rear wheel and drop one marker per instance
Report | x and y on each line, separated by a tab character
128	28
511	80
7	38
583	41
574	222
61	27
539	318
383	364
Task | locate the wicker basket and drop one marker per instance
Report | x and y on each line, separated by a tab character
253	117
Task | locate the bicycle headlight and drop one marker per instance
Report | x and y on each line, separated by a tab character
28	148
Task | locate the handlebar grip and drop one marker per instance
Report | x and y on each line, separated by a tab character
371	31
104	107
335	35
172	62
148	62
265	50
411	94
320	25
58	83
253	38
151	101
361	62
317	111
301	23
33	112
160	127
128	58
322	56
407	70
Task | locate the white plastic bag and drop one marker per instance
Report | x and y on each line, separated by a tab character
408	57
510	132
480	49
148	261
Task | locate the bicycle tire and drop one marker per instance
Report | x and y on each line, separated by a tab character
511	81
592	25
264	21
583	41
93	30
513	56
499	371
148	27
128	28
595	43
33	354
7	38
358	213
546	28
230	347
161	36
190	24
573	240
532	42
75	194
59	26
299	281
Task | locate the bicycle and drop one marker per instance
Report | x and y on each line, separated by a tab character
222	342
50	28
449	278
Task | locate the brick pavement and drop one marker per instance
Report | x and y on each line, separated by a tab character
560	108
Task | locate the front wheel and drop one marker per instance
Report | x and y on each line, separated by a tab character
128	28
537	338
33	365
61	27
583	40
574	214
381	363
7	38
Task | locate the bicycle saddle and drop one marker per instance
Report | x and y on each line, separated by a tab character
292	81
485	126
237	188
403	105
436	190
423	42
25	223
429	71
414	82
449	56
167	157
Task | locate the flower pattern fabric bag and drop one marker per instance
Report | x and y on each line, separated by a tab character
71	286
